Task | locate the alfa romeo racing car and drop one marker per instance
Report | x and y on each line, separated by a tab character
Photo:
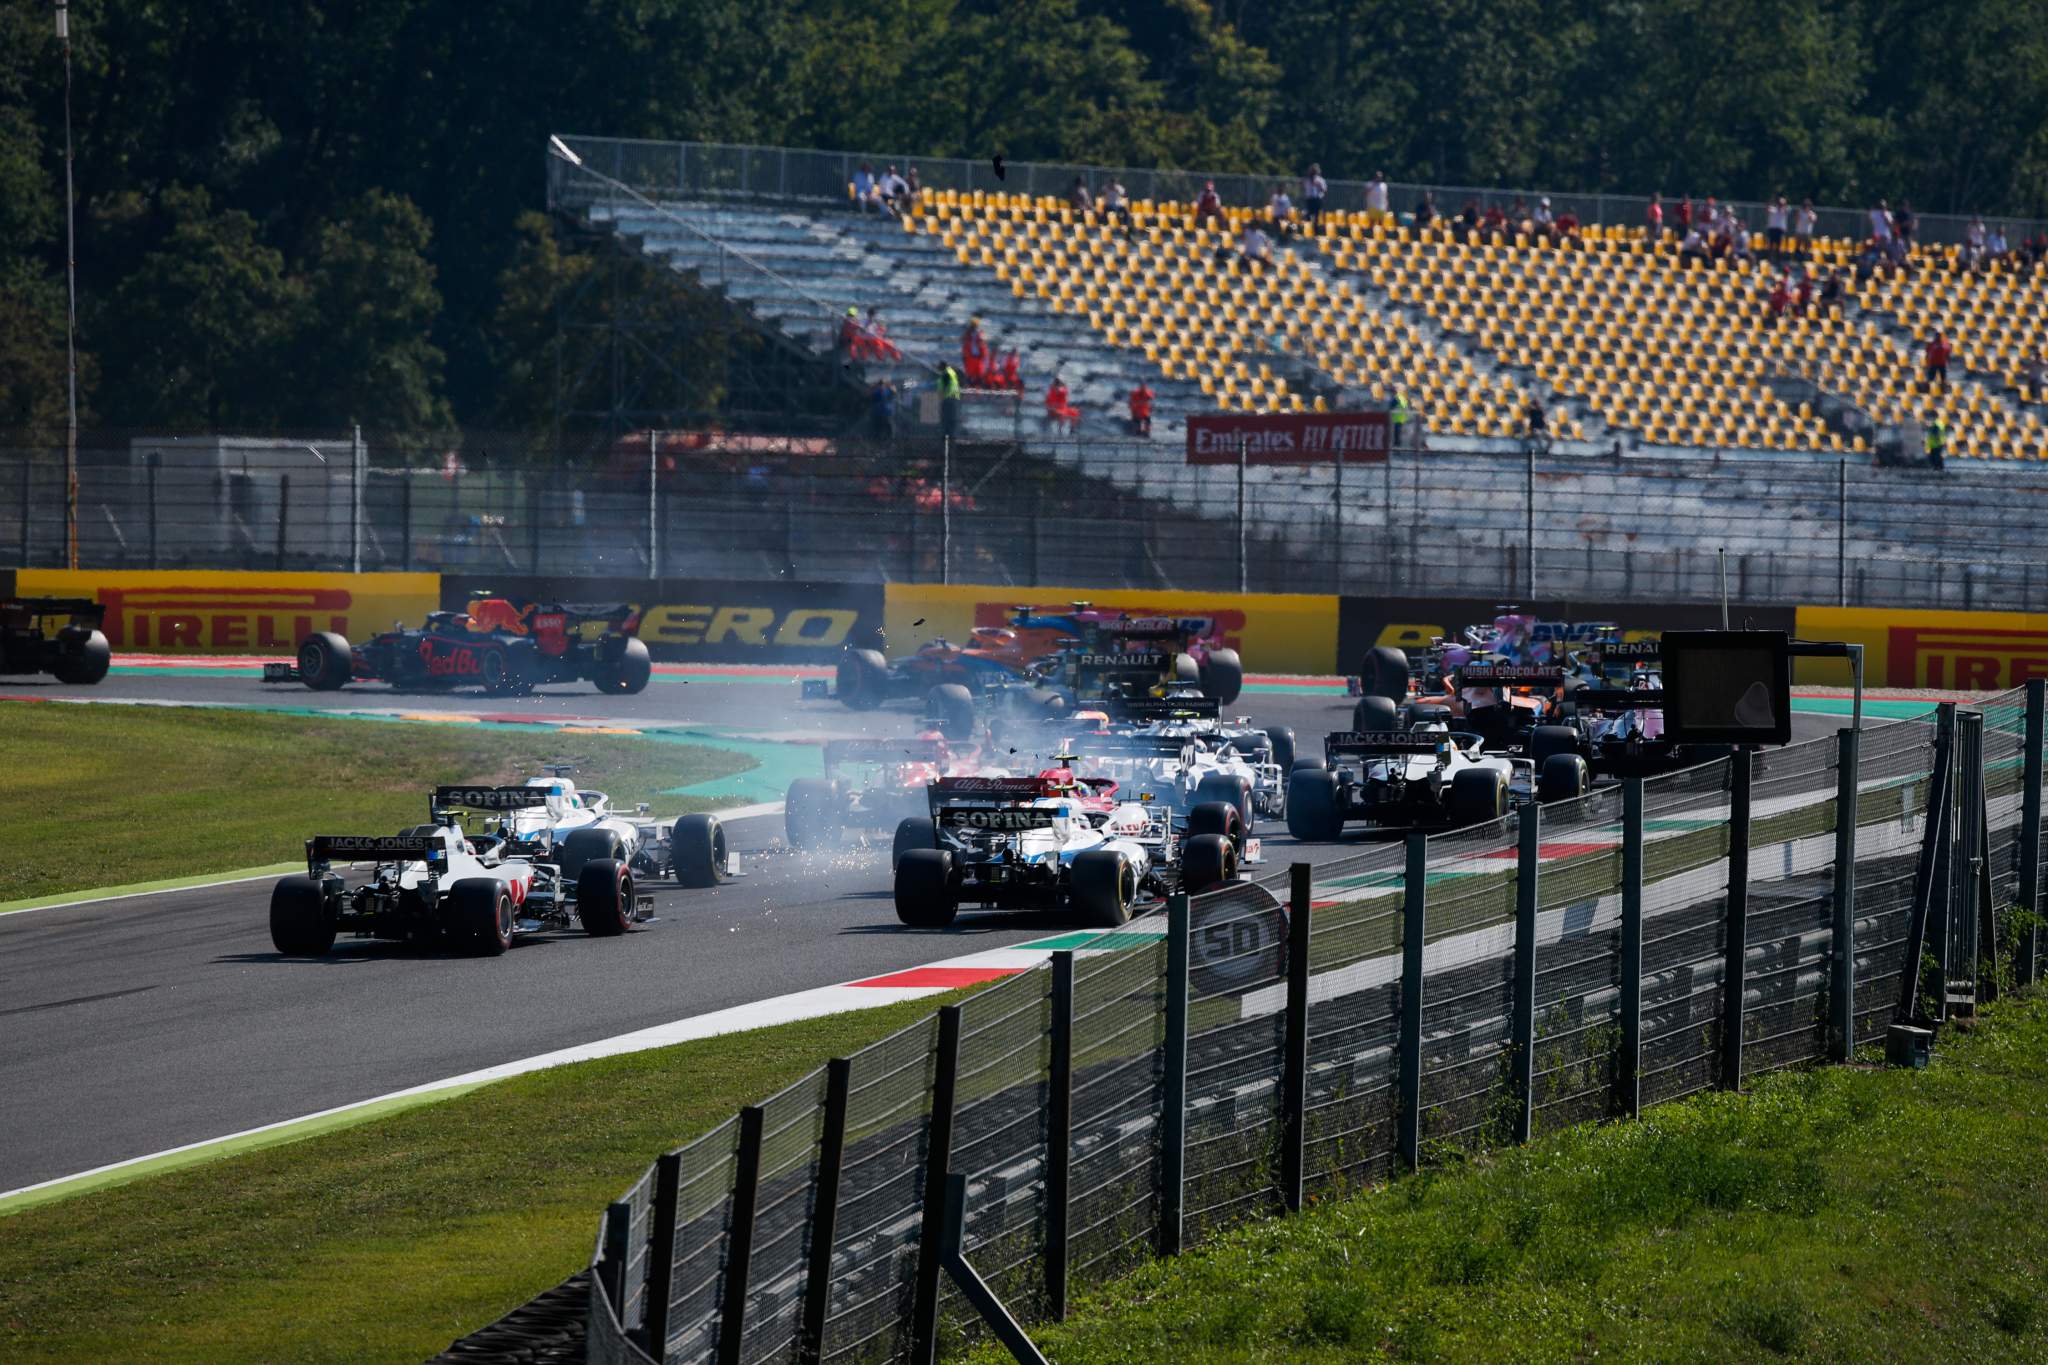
55	635
495	645
1055	841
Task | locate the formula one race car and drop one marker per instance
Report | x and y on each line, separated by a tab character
1619	731
1423	777
56	635
1055	840
872	785
494	645
550	821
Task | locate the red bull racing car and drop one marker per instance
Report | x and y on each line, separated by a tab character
495	644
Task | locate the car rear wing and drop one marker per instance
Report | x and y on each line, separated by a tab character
1105	664
856	751
446	799
1131	746
995	819
1616	651
1511	675
28	613
282	673
1619	698
324	850
1146	710
1384	742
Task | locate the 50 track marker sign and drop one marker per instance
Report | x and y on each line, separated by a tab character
1235	941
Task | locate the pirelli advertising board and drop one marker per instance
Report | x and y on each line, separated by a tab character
684	620
1986	651
196	611
1272	632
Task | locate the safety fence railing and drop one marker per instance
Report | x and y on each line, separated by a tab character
1335	1025
1444	521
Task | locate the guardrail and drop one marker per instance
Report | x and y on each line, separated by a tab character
1336	1026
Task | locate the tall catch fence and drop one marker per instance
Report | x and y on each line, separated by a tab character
1334	1025
1456	518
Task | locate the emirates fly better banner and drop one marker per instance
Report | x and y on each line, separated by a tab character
1289	438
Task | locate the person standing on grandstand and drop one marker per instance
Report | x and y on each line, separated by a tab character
864	194
1468	217
1313	188
1141	409
1937	357
1803	304
1083	202
1376	198
1777	221
1116	205
1681	217
1544	221
1653	218
974	353
1398	415
1012	377
1210	205
878	344
949	401
850	345
1802	229
1280	212
911	189
1881	224
1831	293
1058	410
1973	244
1903	223
1936	439
1536	424
895	191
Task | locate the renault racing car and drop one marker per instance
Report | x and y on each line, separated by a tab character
495	644
55	635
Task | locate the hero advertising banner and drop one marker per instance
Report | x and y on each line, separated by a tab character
1410	623
1289	438
196	611
1966	650
685	620
1273	632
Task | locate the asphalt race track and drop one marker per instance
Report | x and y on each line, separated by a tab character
142	1024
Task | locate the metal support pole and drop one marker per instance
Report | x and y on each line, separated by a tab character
356	461
1628	1075
1243	569
653	496
1842	962
973	1288
825	1211
405	518
1528	854
533	522
1735	958
28	465
1337	538
1408	1100
924	1303
1842	533
617	1249
1173	1115
946	509
284	514
1529	504
70	309
739	1245
1964	959
1059	1134
1294	1055
150	462
2027	952
661	1256
1930	871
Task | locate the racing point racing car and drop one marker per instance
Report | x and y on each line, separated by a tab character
1426	777
1055	841
494	645
56	635
872	785
1619	731
549	820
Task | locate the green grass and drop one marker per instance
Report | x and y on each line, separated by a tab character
383	1242
169	792
1844	1214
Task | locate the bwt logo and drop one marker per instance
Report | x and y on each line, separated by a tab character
221	618
1964	657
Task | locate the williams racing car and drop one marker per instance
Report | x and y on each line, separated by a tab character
549	820
494	645
1055	841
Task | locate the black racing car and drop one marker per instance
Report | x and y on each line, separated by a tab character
33	641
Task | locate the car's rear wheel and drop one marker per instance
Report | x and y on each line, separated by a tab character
1547	741
925	895
301	922
1307	764
1560	778
1208	861
1186	669
1375	713
629	672
325	661
584	846
604	898
810	813
1477	796
862	679
1385	673
697	851
911	833
1229	789
952	706
1102	885
1216	817
1222	676
1282	737
482	914
85	660
1312	814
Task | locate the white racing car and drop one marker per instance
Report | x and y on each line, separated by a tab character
1427	776
549	820
1249	763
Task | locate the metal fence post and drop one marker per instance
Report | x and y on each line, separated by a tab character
1294	1058
1929	871
739	1249
150	463
617	1250
825	1211
1842	962
1842	533
1059	1133
284	514
1529	498
945	509
1242	567
653	499
1735	960
357	461
1629	1074
1173	1107
924	1303
661	1256
2027	953
405	518
533	517
1409	1097
1966	945
1527	857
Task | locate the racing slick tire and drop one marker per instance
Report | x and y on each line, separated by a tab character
1561	777
1103	884
85	660
480	910
1216	817
1283	746
1228	789
1385	674
925	898
301	925
584	846
1477	795
1312	814
1044	703
697	851
604	897
1186	669
911	832
1548	741
952	706
1308	763
1372	712
1208	861
325	661
862	679
1222	675
810	813
629	672
494	670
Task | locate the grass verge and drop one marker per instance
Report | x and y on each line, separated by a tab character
384	1242
172	792
1844	1214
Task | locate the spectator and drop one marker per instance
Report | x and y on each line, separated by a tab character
1973	244
1209	205
1518	216
1468	217
1536	424
866	195
1544	220
1831	293
1777	222
1280	212
1903	223
1313	189
895	191
1398	415
974	353
1803	304
1376	198
882	409
878	344
1936	368
1866	263
1495	220
1802	229
1141	409
1567	228
2036	377
1012	377
1258	249
911	189
1116	205
1425	210
850	344
949	401
1881	223
1693	247
1062	414
1653	218
1084	203
1780	300
1736	236
1996	249
1681	217
1937	440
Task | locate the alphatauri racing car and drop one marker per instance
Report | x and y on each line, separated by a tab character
494	645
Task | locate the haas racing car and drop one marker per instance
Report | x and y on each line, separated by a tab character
1428	777
495	644
55	635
